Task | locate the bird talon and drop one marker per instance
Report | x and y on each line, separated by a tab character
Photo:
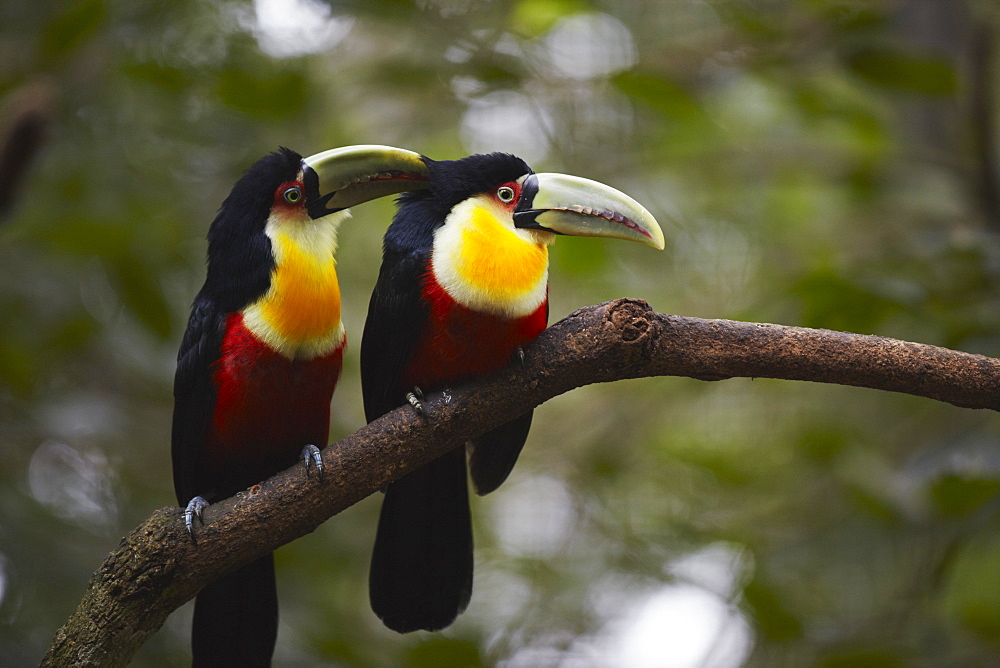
194	509
415	399
520	355
311	457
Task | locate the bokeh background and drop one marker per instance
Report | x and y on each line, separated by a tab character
827	163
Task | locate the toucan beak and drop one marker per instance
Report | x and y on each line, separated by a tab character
580	207
344	177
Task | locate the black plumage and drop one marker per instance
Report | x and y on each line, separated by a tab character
422	565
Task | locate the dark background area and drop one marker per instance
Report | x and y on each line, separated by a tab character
825	163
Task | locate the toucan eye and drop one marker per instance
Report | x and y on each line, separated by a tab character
506	194
293	195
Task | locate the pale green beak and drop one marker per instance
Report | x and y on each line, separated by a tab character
344	177
580	207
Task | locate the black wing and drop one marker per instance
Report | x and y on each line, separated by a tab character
396	317
194	397
493	455
421	570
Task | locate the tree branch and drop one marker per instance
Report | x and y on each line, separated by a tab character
156	568
25	123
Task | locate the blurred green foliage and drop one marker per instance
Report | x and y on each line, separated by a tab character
814	164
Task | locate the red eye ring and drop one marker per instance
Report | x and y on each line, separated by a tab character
290	194
507	194
293	195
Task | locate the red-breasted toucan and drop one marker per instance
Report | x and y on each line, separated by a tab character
261	356
464	285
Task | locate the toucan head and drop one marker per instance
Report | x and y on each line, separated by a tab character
488	220
324	183
548	202
285	190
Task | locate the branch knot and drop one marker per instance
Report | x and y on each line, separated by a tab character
630	317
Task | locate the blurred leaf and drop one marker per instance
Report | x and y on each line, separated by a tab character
874	504
71	27
72	334
822	446
267	95
141	293
343	650
398	11
170	79
849	16
827	102
914	73
405	75
668	97
497	73
833	302
772	618
18	370
531	18
961	495
724	468
751	21
79	235
972	594
586	257
444	653
865	180
862	657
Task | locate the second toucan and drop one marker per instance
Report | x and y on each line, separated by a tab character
463	286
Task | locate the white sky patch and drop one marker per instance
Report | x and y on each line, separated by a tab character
534	517
671	626
82	414
457	54
506	121
501	597
589	46
678	626
687	623
466	88
721	568
289	28
74	485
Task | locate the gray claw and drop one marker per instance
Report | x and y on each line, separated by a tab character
415	399
312	457
520	355
194	509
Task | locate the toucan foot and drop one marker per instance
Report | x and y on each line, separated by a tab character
194	509
519	352
311	457
415	399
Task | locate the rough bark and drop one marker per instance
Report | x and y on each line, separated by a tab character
156	568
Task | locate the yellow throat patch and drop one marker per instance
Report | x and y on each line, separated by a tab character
483	262
299	315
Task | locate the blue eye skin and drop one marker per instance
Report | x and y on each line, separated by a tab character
293	195
505	194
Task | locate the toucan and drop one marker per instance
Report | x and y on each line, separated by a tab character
462	288
261	357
